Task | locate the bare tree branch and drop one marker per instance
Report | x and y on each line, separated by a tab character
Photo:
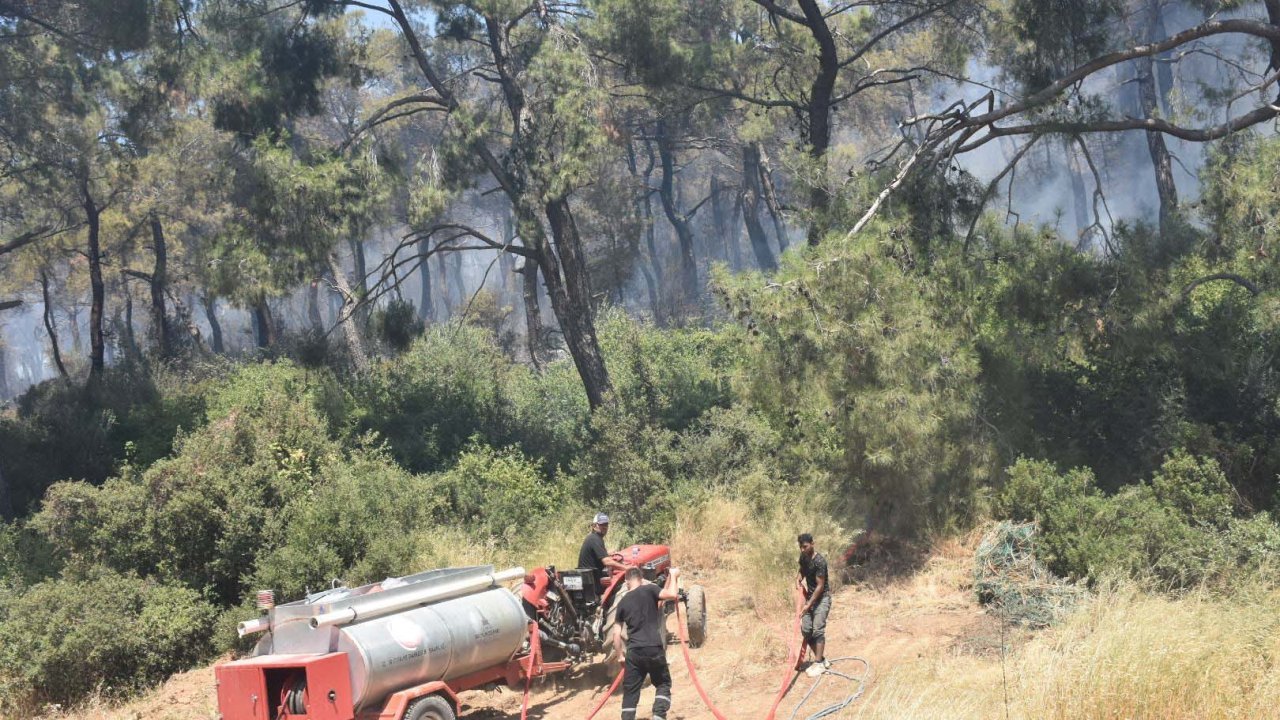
991	188
780	11
875	39
9	304
1206	134
434	101
24	239
1053	90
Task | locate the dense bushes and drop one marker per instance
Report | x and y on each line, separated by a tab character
230	484
1178	530
102	631
59	430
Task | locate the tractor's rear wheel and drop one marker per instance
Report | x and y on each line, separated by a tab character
696	615
431	707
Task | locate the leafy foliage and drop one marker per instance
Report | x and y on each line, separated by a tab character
103	631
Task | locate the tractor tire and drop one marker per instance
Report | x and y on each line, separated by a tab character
431	707
696	615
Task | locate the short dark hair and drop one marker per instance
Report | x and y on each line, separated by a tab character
805	538
633	573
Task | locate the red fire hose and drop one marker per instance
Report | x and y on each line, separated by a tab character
683	633
609	693
795	651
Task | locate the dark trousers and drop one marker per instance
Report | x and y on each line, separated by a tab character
645	662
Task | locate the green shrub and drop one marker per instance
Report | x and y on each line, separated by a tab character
855	360
668	377
627	469
727	445
499	493
66	638
1196	488
397	325
202	516
428	402
1177	531
545	414
353	526
1063	505
61	430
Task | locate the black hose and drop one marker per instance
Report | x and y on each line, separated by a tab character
836	708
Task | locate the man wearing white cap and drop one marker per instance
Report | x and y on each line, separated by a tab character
593	553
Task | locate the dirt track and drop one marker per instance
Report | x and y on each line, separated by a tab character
927	614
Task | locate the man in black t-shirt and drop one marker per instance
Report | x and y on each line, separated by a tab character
593	553
812	581
646	654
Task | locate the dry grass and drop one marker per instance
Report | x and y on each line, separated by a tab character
1124	655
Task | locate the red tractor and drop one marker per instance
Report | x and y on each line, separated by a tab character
574	611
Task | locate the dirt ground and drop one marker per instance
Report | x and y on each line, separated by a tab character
888	621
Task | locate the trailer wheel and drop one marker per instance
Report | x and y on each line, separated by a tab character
696	614
431	707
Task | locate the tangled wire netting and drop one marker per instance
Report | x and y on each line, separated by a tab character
1010	578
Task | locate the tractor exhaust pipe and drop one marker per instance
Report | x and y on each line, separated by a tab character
377	607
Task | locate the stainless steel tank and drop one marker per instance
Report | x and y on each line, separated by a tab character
391	649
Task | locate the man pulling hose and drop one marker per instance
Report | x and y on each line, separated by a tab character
812	581
646	653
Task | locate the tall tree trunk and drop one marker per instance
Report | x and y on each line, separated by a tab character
159	277
571	295
719	225
680	222
651	240
360	285
821	93
455	279
182	312
73	324
125	328
50	325
1161	161
349	321
445	295
313	305
210	303
735	234
264	324
532	313
751	208
426	308
506	260
4	371
1080	201
771	199
571	300
98	290
6	502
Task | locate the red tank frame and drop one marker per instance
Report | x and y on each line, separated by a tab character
250	689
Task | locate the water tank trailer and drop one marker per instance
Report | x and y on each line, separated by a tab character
397	650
